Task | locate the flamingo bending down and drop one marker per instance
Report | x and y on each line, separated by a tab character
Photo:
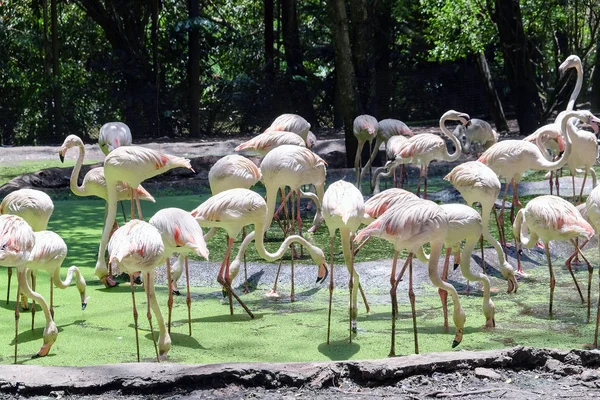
138	246
593	212
16	243
293	123
476	182
584	152
113	135
48	254
464	223
427	147
551	218
235	208
36	208
365	130
180	234
476	131
265	142
392	153
343	209
409	226
386	129
132	165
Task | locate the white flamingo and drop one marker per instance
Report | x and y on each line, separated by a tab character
293	123
113	135
365	130
265	142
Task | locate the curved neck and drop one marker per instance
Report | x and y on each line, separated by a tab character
76	189
567	138
457	146
270	257
577	89
520	230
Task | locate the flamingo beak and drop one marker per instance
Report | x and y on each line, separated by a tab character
321	279
61	155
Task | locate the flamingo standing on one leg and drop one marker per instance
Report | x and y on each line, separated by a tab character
476	182
409	226
343	209
180	233
138	246
386	129
427	147
235	208
16	243
113	135
132	165
551	218
365	130
36	208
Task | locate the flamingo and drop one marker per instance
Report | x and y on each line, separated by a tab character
386	129
235	208
132	165
48	254
582	208
409	226
138	246
511	158
552	131
343	209
36	208
551	218
394	147
293	123
16	243
265	142
180	233
593	212
476	182
464	223
113	135
476	131
427	147
365	130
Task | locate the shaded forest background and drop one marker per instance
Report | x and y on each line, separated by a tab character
197	68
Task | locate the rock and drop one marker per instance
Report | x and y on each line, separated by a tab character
487	373
590	375
553	365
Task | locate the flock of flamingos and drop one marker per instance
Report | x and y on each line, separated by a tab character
408	221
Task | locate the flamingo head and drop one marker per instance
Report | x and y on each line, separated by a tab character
311	140
489	311
70	141
572	61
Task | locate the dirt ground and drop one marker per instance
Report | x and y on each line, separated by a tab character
517	373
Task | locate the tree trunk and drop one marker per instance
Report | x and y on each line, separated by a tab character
361	36
595	94
496	110
44	134
269	40
56	88
518	65
194	70
346	78
155	66
383	41
297	74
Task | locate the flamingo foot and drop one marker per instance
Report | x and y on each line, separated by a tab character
540	245
272	294
522	273
108	281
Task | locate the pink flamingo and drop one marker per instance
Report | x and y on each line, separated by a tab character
365	130
427	147
265	142
132	165
551	218
113	135
394	147
476	182
409	226
343	209
293	123
36	208
235	208
593	212
138	246
16	243
180	234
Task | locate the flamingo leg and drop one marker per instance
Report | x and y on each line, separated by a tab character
395	307
135	317
443	294
425	179
273	291
574	257
299	221
360	246
590	273
188	299
132	204
482	254
139	207
551	181
52	296
246	290
33	282
582	186
331	245
170	301
17	313
597	309
147	284
500	218
224	280
164	339
8	288
361	143
557	181
419	183
353	307
513	206
122	211
568	265
292	293
411	296
552	279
